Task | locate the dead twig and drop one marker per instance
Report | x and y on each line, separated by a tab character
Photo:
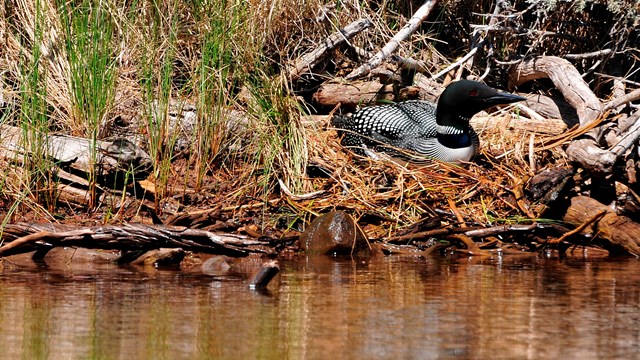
267	272
579	229
308	61
411	26
21	238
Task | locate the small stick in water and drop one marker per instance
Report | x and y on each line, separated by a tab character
267	272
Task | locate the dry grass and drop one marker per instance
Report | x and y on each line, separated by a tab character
401	195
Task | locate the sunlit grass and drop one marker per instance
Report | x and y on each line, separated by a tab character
88	34
38	184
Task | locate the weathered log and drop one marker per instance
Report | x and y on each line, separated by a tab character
623	100
584	151
629	138
620	234
551	108
21	238
107	160
590	156
352	94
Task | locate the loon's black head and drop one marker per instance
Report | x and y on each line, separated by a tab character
465	98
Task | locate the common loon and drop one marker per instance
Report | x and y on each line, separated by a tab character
419	130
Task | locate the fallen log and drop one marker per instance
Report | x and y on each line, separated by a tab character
108	161
352	94
620	234
22	238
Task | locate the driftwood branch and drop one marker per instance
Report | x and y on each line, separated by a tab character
21	238
478	232
566	79
308	61
629	138
74	160
403	63
459	62
393	44
622	100
589	55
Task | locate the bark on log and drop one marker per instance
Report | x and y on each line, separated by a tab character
352	94
621	234
21	238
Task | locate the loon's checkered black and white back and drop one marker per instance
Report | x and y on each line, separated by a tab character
409	125
414	129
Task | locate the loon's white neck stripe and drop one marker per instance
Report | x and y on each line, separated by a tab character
449	130
432	148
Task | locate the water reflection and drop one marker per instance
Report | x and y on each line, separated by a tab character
319	307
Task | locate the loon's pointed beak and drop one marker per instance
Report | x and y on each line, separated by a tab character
503	98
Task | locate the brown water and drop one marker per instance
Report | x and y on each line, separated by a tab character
319	308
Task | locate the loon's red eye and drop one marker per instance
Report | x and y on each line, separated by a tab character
473	92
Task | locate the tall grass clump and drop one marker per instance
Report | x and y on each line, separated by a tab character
230	44
218	73
158	25
38	183
282	150
279	146
88	39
